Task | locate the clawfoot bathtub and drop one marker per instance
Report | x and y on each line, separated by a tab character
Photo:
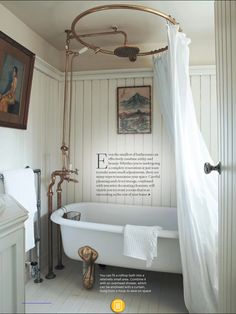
101	227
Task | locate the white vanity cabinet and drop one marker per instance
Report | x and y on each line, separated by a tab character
12	255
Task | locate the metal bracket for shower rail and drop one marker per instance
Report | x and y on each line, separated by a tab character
208	168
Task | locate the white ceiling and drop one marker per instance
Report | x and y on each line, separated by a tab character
50	18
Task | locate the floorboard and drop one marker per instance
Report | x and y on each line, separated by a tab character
65	293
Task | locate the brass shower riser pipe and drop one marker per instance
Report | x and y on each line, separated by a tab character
50	274
63	175
67	110
59	241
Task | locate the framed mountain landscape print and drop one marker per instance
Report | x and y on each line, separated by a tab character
134	110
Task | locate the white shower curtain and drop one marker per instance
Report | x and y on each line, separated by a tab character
197	193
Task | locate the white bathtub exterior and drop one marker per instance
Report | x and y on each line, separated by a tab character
101	227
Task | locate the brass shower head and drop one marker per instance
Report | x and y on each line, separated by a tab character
127	52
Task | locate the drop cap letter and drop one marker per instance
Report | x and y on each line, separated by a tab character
102	161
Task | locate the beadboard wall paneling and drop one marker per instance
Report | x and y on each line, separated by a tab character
39	145
94	129
225	13
204	96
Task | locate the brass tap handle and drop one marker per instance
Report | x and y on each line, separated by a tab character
76	171
74	180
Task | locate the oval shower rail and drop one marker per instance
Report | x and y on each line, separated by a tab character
112	7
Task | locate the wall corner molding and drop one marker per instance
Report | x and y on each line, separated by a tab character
44	67
202	70
58	75
112	74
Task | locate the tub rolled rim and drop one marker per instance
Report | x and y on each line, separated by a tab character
57	218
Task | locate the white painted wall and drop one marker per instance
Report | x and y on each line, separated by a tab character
94	130
19	31
38	146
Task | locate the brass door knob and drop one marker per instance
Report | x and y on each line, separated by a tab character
208	168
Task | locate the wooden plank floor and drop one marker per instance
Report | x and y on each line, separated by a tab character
65	293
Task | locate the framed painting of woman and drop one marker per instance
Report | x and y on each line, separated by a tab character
16	71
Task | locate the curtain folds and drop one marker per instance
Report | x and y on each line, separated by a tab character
197	193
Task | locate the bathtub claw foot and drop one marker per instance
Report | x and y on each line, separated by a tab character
89	256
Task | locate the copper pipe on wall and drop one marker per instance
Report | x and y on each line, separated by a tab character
65	99
67	110
59	241
64	175
50	274
70	104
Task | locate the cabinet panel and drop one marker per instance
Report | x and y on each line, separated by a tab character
12	284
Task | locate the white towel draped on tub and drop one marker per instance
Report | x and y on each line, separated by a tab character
141	242
20	185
